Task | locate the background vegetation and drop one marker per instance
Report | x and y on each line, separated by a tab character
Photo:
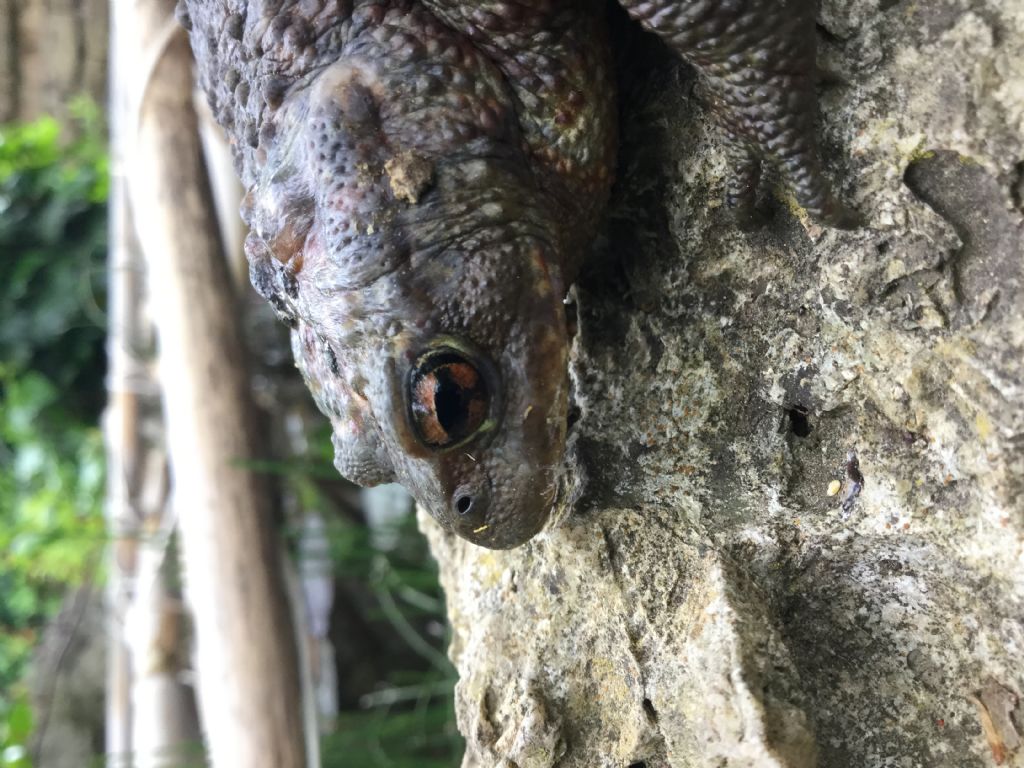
53	242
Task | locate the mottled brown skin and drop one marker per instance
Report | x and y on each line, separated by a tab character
422	178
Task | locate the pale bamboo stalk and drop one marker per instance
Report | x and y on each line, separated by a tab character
150	715
165	725
120	424
245	647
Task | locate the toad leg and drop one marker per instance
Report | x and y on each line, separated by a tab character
756	58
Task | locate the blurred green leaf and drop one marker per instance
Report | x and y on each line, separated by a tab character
15	731
19	722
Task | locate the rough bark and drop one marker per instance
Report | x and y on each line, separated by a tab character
801	538
246	659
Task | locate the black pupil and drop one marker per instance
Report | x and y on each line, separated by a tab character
449	399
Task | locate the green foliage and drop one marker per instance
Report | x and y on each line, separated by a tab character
53	244
421	737
52	255
408	719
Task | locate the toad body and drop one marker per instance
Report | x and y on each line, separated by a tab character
423	177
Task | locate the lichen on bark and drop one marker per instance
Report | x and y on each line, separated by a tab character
708	602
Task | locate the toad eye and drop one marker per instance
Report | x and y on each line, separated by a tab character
448	398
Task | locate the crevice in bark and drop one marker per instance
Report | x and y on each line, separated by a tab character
651	712
654	741
1017	186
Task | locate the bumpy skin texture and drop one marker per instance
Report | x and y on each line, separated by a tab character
757	59
422	178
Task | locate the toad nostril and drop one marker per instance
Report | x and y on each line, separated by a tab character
469	505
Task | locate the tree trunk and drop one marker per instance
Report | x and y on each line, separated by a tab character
246	658
800	542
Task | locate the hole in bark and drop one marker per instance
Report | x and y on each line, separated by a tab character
827	34
572	417
650	711
799	424
572	317
641	764
1017	188
463	504
332	360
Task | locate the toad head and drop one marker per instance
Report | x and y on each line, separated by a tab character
425	292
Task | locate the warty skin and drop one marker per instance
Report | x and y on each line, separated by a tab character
422	180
